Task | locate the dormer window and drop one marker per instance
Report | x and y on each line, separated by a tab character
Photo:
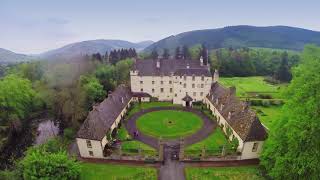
185	77
221	107
255	147
193	77
202	78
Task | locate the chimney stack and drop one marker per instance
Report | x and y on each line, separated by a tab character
158	63
232	90
215	76
201	61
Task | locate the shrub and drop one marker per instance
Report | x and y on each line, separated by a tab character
69	133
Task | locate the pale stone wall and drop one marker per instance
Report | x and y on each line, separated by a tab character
98	146
244	147
247	152
84	149
221	121
168	88
198	89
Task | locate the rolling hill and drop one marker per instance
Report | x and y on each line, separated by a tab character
277	37
8	57
92	46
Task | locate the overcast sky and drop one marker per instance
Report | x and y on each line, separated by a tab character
34	26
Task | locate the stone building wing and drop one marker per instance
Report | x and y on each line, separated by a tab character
237	113
101	118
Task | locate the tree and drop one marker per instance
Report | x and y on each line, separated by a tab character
185	52
292	149
178	54
165	53
154	54
39	163
16	97
93	89
283	73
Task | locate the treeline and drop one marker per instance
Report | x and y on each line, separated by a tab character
116	55
239	62
253	62
67	91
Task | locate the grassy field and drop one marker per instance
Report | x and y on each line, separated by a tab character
215	141
267	115
254	88
247	86
128	146
169	124
239	173
92	171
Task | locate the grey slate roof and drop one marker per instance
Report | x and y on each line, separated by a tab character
243	120
140	94
101	118
170	66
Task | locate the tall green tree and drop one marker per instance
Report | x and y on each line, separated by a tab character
283	73
16	97
154	54
41	163
185	52
292	149
165	54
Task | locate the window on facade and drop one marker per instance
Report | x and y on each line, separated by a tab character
175	95
202	85
161	82
89	145
141	90
201	93
202	78
170	82
161	90
171	90
141	82
153	90
185	77
193	85
255	147
193	78
194	93
184	85
152	82
91	153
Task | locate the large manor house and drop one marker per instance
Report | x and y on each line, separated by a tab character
181	82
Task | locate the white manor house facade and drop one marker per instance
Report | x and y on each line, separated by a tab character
181	82
178	80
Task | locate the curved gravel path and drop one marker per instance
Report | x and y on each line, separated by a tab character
171	169
206	129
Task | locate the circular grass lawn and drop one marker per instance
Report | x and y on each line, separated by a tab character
169	124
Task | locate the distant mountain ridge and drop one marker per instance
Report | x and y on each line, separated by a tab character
278	37
7	56
73	50
92	46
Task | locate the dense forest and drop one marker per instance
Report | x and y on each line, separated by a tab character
65	91
239	62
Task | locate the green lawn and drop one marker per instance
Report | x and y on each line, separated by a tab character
92	171
267	115
169	124
146	105
216	140
246	86
217	173
131	147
